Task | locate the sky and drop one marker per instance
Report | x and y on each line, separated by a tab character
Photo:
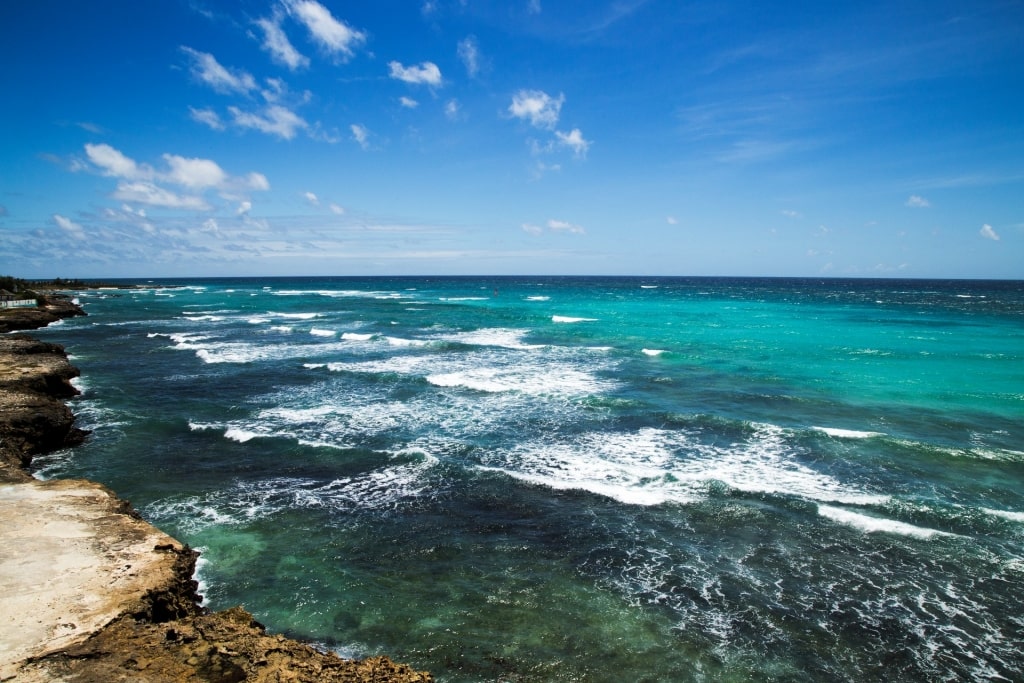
189	138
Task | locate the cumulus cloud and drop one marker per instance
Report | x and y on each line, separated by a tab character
537	107
408	102
243	208
274	120
207	117
195	174
208	70
139	182
311	198
114	163
69	226
574	140
333	35
276	42
426	73
988	232
917	202
469	53
360	134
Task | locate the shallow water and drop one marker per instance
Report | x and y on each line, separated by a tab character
565	479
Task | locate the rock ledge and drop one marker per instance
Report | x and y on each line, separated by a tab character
91	593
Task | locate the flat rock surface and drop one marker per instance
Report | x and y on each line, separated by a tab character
72	562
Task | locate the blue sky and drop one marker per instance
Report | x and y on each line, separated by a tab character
648	137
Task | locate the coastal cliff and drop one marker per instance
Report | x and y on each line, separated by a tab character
92	593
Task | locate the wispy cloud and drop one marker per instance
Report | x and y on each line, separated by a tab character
537	107
425	73
207	117
917	202
311	198
565	226
408	102
273	120
276	42
333	35
574	140
69	226
361	134
989	233
452	110
469	53
209	71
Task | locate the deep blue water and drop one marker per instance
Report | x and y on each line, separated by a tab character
582	479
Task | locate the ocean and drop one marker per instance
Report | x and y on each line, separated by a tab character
581	479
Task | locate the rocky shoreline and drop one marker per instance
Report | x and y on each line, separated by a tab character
91	593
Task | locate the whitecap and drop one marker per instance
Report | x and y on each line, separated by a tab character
1006	514
568	319
653	352
846	433
398	341
353	336
538	298
295	316
869	524
494	336
320	332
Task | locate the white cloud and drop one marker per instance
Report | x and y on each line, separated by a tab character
536	106
988	232
917	202
243	208
671	220
208	70
469	53
790	213
148	193
408	102
69	226
361	135
335	36
114	163
311	198
451	109
196	174
427	73
257	181
207	117
280	48
336	210
532	229
275	120
210	225
564	226
574	140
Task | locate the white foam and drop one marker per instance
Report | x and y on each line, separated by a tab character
538	298
568	319
648	286
320	332
295	316
847	433
653	466
241	435
869	524
1006	514
494	336
353	336
653	352
398	341
281	328
534	381
464	298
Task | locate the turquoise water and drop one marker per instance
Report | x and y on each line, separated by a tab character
582	479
